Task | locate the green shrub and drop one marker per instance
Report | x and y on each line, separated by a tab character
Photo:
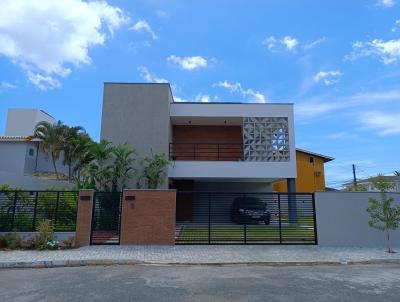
45	239
69	243
2	242
12	240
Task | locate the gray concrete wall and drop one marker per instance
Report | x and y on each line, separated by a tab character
139	115
45	163
60	236
342	220
12	156
30	161
28	182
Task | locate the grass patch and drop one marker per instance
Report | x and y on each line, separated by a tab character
303	233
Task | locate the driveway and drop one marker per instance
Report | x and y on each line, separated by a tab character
203	283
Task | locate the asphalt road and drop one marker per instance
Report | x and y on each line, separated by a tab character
203	283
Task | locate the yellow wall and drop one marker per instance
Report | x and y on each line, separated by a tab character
306	180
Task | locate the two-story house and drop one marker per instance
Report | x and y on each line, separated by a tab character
212	146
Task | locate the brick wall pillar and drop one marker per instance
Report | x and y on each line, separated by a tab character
84	217
148	217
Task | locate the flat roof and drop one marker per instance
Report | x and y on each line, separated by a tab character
235	103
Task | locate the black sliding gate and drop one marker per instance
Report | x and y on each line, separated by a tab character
245	218
106	218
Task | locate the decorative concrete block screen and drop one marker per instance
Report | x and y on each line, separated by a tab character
266	139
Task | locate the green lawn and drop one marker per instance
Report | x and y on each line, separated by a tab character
301	233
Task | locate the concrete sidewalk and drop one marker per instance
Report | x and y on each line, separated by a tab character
223	254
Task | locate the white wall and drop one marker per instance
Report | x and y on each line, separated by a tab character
231	170
28	182
342	220
12	156
22	122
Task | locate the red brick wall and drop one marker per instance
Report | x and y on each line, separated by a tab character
150	218
84	218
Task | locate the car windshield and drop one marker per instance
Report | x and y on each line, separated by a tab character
252	205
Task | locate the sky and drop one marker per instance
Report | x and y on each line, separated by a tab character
337	61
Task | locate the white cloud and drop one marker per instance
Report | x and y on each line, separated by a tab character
341	135
328	77
150	77
142	25
43	82
314	43
7	85
203	98
189	63
46	37
255	96
384	123
323	105
387	3
387	51
396	26
161	13
288	43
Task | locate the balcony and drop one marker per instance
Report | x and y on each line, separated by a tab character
206	151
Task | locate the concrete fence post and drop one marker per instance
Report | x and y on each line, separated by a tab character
84	217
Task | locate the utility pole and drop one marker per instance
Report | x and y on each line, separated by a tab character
354	178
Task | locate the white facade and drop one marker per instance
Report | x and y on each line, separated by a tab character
263	168
22	122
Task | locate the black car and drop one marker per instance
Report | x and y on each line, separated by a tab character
249	210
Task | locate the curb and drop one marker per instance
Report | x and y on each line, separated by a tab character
109	262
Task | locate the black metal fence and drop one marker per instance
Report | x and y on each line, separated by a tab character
106	218
245	218
23	210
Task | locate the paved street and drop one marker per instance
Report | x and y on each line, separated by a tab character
203	283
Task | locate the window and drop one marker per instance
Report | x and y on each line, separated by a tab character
31	152
311	160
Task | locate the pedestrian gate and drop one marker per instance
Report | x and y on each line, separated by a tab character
106	218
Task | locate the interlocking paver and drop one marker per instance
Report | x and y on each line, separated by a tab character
203	254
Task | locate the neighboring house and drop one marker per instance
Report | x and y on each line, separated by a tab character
310	172
242	147
22	161
367	184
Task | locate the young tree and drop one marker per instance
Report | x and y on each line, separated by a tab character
154	171
384	215
397	173
52	140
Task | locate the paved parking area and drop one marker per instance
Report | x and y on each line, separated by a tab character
203	283
191	254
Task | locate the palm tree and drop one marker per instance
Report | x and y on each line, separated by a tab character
99	171
81	148
51	136
397	173
122	166
70	136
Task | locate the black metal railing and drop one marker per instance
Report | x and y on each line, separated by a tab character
206	151
23	210
245	218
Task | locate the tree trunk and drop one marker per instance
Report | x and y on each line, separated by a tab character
69	172
54	165
389	244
